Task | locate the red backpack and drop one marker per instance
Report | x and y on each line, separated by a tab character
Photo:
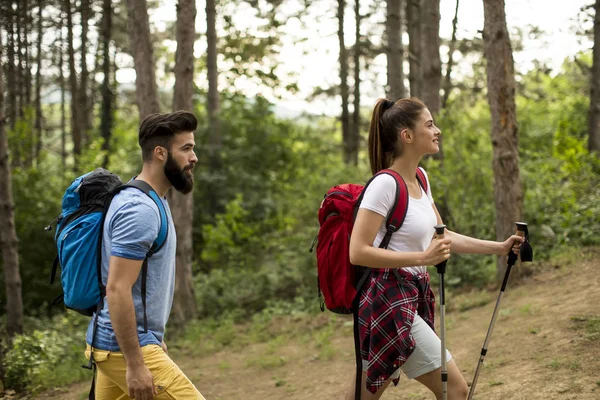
337	277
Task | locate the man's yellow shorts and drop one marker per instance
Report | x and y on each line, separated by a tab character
169	380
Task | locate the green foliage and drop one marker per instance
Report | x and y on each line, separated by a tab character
51	354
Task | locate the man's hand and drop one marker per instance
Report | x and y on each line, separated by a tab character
140	383
164	347
512	243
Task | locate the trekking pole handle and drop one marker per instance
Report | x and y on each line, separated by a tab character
440	231
521	228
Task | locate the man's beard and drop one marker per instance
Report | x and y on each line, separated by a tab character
179	177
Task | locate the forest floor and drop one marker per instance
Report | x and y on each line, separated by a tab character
546	345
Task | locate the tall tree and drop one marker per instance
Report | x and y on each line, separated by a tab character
353	140
501	98
8	236
413	16
344	90
75	111
143	57
215	139
594	111
451	50
11	71
395	50
106	118
182	206
84	98
38	83
63	90
431	64
213	105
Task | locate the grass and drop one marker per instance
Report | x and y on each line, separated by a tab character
590	324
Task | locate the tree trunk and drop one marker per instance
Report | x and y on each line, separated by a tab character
501	98
27	67
395	50
214	125
107	95
75	117
63	89
20	63
11	70
355	129
182	206
84	99
430	55
344	80
8	236
447	80
431	65
413	16
142	52
215	139
594	111
38	85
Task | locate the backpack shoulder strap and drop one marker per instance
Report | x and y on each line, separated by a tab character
164	224
397	213
422	179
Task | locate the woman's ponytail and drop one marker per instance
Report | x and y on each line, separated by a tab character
378	155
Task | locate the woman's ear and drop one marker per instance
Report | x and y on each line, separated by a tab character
406	135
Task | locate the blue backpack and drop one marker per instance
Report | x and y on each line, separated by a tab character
79	239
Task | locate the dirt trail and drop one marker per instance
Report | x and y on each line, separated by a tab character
546	345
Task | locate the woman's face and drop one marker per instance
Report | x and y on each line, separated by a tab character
426	135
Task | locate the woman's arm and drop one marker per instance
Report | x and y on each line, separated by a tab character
467	245
363	253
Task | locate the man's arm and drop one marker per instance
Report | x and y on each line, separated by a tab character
122	275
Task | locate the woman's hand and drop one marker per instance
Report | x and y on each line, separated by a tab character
512	243
438	251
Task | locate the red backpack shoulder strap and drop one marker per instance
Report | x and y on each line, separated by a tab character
397	213
422	179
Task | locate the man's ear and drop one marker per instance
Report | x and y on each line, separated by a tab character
161	153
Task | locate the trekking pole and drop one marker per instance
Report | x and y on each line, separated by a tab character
512	258
441	269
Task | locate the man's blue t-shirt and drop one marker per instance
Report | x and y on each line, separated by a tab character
131	226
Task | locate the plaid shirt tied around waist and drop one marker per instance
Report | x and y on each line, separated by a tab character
388	303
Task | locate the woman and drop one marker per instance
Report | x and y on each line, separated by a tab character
396	309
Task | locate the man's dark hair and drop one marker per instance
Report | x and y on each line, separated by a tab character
159	130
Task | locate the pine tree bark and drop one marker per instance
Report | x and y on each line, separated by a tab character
414	29
447	79
106	119
594	110
395	50
11	70
143	57
431	64
501	98
182	206
63	90
430	55
8	236
344	90
76	132
355	128
84	98
215	140
38	84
